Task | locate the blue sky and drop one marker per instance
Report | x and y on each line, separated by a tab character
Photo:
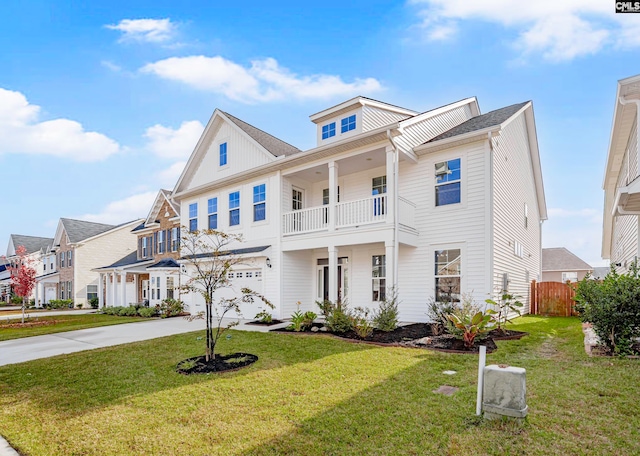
101	104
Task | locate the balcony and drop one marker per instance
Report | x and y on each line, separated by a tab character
362	212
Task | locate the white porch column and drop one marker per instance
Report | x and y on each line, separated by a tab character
135	287
389	262
333	197
333	274
101	291
39	294
114	284
391	185
123	288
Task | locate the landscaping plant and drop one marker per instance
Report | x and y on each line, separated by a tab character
23	276
386	317
361	323
170	307
612	307
439	311
505	304
471	326
339	318
325	307
264	317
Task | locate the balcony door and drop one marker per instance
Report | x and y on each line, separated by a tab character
297	203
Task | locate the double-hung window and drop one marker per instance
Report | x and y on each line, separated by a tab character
348	124
447	275
69	255
212	209
234	208
328	130
259	203
92	292
193	217
223	154
447	182
378	277
145	247
170	287
161	241
379	187
175	239
63	255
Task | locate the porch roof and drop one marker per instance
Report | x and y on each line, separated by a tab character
242	251
165	263
129	261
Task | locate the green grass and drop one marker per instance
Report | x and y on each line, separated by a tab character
61	323
319	396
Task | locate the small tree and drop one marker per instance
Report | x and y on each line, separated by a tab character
23	276
209	254
505	304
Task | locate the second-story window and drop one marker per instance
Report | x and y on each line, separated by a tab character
234	208
448	182
193	216
69	255
223	154
212	206
348	124
328	130
145	247
259	204
161	241
175	239
379	187
63	256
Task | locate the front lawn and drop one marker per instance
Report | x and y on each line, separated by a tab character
37	326
316	396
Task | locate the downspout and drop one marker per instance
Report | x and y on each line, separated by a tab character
396	225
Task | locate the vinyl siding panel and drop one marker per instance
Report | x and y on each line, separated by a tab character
298	272
625	241
513	187
373	118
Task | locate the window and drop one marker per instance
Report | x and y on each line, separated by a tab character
175	239
378	276
212	208
328	130
69	293
158	287
259	205
92	292
258	274
61	290
169	287
145	247
448	182
69	253
569	277
518	249
231	275
62	257
160	241
239	275
193	217
249	275
379	187
234	208
223	154
296	199
447	274
348	124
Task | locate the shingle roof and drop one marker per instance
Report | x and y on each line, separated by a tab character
560	259
139	227
128	260
79	230
232	252
274	145
490	119
166	263
31	243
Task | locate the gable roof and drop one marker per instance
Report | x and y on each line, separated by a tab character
275	146
31	243
127	260
488	120
79	230
561	259
162	197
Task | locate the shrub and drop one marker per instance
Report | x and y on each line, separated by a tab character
147	312
297	320
612	307
59	303
505	304
470	326
386	317
439	313
360	322
171	308
16	300
308	318
129	311
264	317
94	302
325	307
339	319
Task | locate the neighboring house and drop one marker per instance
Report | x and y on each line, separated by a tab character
82	246
599	273
621	183
151	273
38	251
433	204
560	265
5	282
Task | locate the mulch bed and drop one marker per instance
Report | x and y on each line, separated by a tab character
262	323
507	334
400	334
29	324
221	363
450	344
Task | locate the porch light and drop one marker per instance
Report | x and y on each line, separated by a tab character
268	263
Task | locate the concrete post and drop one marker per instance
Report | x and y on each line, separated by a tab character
504	392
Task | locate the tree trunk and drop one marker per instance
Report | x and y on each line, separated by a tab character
23	310
208	330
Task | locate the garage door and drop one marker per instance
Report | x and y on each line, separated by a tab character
247	278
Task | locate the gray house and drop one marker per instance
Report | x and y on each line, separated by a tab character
560	265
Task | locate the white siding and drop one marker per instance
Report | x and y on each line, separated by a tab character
242	154
513	187
373	118
421	132
339	135
460	226
625	241
298	272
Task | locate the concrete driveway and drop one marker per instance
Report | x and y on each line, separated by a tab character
29	348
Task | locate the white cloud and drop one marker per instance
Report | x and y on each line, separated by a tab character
167	142
167	178
111	66
558	30
145	30
264	80
124	210
22	133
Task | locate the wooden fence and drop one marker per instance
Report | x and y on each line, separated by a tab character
552	298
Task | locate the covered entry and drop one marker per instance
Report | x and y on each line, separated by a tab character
322	279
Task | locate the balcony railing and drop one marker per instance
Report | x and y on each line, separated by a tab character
306	220
361	212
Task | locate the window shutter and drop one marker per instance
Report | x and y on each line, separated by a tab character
155	241
139	248
178	238
167	242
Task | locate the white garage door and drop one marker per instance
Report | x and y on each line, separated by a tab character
247	278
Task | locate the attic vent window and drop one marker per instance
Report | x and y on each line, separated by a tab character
328	130
348	124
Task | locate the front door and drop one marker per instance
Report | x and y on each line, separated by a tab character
145	290
322	279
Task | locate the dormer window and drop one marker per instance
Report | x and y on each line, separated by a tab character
348	124
223	154
328	130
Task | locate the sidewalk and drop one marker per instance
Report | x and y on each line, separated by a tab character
30	348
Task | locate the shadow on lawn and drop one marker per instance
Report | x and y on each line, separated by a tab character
76	383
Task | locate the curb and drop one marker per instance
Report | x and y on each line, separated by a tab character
6	449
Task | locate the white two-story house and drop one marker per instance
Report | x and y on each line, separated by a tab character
621	179
431	204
